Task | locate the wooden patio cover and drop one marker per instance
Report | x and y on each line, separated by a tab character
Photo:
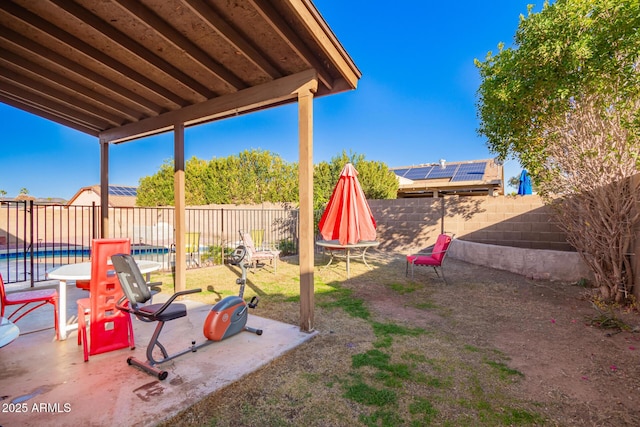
121	70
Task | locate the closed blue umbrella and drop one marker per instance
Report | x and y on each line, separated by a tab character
525	183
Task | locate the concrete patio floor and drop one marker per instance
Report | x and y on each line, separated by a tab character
46	382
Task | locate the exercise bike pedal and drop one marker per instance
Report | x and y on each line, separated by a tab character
254	302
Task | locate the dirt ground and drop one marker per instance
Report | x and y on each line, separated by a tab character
588	375
574	372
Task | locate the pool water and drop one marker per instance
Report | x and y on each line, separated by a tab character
75	253
17	266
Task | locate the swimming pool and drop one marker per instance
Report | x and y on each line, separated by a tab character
77	252
17	266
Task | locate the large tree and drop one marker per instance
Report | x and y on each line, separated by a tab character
564	101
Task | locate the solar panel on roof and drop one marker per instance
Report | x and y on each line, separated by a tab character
438	172
470	172
117	190
418	173
400	172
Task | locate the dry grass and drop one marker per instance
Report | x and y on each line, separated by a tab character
394	351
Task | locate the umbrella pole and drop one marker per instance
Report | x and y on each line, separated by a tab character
442	210
348	269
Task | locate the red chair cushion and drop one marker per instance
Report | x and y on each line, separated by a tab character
423	260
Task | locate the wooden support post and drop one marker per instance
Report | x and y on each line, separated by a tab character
179	204
305	123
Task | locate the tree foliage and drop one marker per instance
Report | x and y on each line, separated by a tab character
157	189
569	50
253	176
564	101
256	176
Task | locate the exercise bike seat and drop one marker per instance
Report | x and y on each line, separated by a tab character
137	294
173	311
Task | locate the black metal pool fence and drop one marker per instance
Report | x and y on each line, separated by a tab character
35	238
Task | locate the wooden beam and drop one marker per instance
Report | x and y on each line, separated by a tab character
218	24
91	53
305	178
47	99
51	79
179	204
269	94
327	41
104	188
132	46
175	37
292	39
66	66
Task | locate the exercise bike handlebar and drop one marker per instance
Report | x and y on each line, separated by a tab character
173	297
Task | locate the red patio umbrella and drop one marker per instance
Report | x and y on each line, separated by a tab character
347	217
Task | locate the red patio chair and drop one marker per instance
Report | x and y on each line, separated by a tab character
25	298
434	259
108	328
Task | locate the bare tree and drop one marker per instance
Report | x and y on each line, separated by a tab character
587	180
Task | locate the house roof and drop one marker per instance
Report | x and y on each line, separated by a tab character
461	178
126	64
121	196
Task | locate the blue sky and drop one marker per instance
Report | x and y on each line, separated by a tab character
415	103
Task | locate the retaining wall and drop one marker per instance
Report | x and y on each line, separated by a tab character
532	263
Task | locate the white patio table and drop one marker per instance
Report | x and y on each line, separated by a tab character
82	271
8	331
334	245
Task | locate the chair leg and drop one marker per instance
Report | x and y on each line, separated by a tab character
26	312
441	272
82	332
56	323
409	266
20	313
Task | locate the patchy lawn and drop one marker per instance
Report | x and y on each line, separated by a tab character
490	348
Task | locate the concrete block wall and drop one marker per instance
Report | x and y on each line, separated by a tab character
516	221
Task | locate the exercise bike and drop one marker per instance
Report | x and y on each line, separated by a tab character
228	317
